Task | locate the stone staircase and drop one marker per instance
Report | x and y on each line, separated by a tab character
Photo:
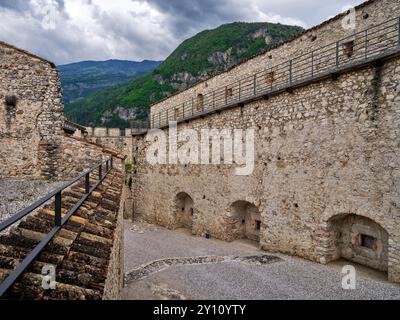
82	252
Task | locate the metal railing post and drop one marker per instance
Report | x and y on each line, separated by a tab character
57	209
398	31
226	95
100	171
183	110
87	183
112	162
272	78
255	85
337	54
192	106
312	64
366	44
213	99
107	165
290	71
240	88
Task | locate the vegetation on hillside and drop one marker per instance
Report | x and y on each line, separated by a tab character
81	79
197	58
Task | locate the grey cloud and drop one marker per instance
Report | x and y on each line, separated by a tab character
17	5
121	35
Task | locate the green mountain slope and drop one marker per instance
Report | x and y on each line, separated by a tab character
81	79
196	59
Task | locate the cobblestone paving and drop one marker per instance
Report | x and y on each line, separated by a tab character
164	264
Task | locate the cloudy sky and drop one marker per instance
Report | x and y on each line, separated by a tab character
67	31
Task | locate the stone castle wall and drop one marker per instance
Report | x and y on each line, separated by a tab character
115	275
30	123
324	153
76	156
32	138
368	14
112	138
329	149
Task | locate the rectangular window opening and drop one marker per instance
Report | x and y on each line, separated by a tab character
199	102
176	113
367	241
270	78
348	48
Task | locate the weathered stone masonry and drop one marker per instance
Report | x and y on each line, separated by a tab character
112	138
327	175
31	113
32	138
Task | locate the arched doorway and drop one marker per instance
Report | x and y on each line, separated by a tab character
184	210
246	221
359	239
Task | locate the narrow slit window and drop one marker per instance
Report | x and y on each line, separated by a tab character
348	49
270	78
258	225
199	102
11	101
229	92
176	113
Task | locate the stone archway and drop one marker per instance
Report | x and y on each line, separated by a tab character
359	239
184	208
245	221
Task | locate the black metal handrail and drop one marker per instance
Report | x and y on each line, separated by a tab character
376	42
59	221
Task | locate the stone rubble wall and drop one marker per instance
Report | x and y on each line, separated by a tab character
111	138
76	156
28	130
32	138
115	275
327	149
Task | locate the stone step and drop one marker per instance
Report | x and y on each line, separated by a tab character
80	251
20	253
29	287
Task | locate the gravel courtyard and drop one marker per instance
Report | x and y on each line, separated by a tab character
164	264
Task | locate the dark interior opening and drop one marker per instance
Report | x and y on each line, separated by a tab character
367	241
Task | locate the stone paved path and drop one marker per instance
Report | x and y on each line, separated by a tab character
164	264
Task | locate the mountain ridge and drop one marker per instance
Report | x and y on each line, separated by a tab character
80	79
196	59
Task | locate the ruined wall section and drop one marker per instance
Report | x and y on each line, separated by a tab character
31	114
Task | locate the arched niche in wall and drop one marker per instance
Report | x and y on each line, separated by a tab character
246	219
